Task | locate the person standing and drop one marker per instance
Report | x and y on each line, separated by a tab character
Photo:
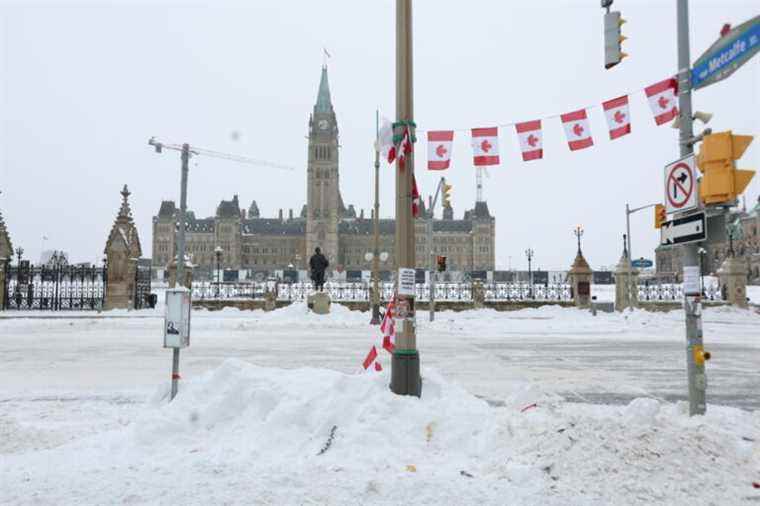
318	264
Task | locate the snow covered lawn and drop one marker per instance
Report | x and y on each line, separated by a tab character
547	406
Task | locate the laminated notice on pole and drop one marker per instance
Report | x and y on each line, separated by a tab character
405	281
177	318
691	280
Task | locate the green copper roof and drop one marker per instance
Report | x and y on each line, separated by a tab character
324	104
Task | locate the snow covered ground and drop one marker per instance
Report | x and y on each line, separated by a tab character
544	406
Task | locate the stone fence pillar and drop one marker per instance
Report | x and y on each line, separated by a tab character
580	280
171	270
733	281
626	285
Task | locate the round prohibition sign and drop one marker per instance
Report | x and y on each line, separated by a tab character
680	185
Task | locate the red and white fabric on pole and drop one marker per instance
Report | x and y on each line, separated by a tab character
388	326
415	198
439	149
618	116
485	146
404	148
662	100
531	139
370	362
577	130
385	142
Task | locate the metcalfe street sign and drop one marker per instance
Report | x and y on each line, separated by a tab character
727	54
684	230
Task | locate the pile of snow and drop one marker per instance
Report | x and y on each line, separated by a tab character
247	434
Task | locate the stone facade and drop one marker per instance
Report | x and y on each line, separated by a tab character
746	248
122	251
6	247
250	242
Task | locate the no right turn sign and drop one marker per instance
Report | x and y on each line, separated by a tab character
680	185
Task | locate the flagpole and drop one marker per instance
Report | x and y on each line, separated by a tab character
405	365
376	229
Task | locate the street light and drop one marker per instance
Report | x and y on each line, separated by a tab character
702	252
578	232
218	251
19	252
529	254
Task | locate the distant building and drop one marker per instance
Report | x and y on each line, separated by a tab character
250	242
747	248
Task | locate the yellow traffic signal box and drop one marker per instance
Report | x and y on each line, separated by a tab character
721	180
660	215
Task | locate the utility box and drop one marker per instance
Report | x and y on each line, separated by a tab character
177	318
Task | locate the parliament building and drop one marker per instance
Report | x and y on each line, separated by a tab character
252	243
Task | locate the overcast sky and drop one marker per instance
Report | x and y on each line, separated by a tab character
85	84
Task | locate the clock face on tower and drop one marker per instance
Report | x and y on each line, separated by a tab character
322	124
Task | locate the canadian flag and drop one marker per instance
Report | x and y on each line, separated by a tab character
531	140
415	198
404	149
439	149
577	130
385	141
485	146
388	326
618	116
662	100
370	362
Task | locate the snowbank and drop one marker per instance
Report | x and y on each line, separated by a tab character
247	434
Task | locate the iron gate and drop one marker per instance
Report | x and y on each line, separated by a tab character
56	288
142	288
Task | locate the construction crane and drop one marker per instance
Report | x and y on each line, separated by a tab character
196	151
186	151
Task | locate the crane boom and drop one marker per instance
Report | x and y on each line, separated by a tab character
217	154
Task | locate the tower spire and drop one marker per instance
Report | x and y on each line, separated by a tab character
324	103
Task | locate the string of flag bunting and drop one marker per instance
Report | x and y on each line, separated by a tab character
388	332
485	141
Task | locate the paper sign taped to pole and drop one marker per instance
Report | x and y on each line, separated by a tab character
177	318
405	281
691	280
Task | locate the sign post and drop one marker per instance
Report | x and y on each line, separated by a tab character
176	328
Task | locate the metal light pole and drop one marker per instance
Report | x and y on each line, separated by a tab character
692	301
431	253
180	252
405	365
376	230
19	252
628	213
529	254
218	253
702	253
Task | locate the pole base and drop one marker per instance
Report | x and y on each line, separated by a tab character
405	373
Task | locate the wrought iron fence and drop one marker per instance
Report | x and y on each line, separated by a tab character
64	287
358	292
672	292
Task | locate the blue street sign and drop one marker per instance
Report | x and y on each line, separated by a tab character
727	54
642	263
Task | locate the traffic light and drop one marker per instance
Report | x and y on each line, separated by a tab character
446	195
613	38
660	215
441	263
721	181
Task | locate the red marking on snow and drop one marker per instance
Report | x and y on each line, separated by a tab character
578	129
485	146
619	117
529	406
663	102
441	151
532	140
